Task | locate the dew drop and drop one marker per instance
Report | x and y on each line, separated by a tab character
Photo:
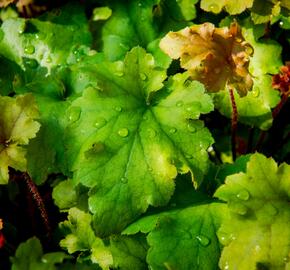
256	92
32	63
243	195
29	49
44	260
238	208
143	76
173	130
179	103
151	133
118	109
40	36
214	8
270	209
281	23
224	238
100	122
139	4
48	59
203	240
124	180
119	73
191	127
74	114
123	132
188	156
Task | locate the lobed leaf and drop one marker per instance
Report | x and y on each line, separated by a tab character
18	126
217	57
256	234
125	143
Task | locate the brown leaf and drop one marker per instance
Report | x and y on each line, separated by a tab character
282	81
217	57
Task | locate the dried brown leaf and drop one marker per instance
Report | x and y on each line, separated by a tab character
217	57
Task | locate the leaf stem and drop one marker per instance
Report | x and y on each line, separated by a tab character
234	123
39	202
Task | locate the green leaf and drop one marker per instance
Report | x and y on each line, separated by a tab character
256	233
101	13
125	143
17	128
81	237
65	195
29	255
181	9
264	11
141	23
184	238
55	38
46	151
231	6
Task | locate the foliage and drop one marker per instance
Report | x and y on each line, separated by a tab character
115	134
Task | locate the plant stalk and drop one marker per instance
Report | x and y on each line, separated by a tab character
234	123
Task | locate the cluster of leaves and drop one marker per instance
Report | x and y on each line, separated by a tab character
133	146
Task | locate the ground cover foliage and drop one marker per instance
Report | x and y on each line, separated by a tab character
144	134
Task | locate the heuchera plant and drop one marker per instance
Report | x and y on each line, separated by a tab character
144	135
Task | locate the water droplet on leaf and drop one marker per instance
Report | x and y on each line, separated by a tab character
48	59
74	114
32	63
29	49
151	133
188	156
243	195
270	209
124	180
214	8
118	109
256	92
203	240
143	76
100	122
191	127
173	130
238	208
179	103
123	132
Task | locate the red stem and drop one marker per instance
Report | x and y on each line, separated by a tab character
234	123
39	202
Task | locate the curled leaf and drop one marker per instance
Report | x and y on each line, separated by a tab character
214	56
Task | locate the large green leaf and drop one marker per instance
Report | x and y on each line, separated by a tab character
29	256
183	238
256	235
129	139
18	126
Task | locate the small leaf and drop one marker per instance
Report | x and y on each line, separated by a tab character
29	255
17	128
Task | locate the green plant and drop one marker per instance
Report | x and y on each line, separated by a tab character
143	134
